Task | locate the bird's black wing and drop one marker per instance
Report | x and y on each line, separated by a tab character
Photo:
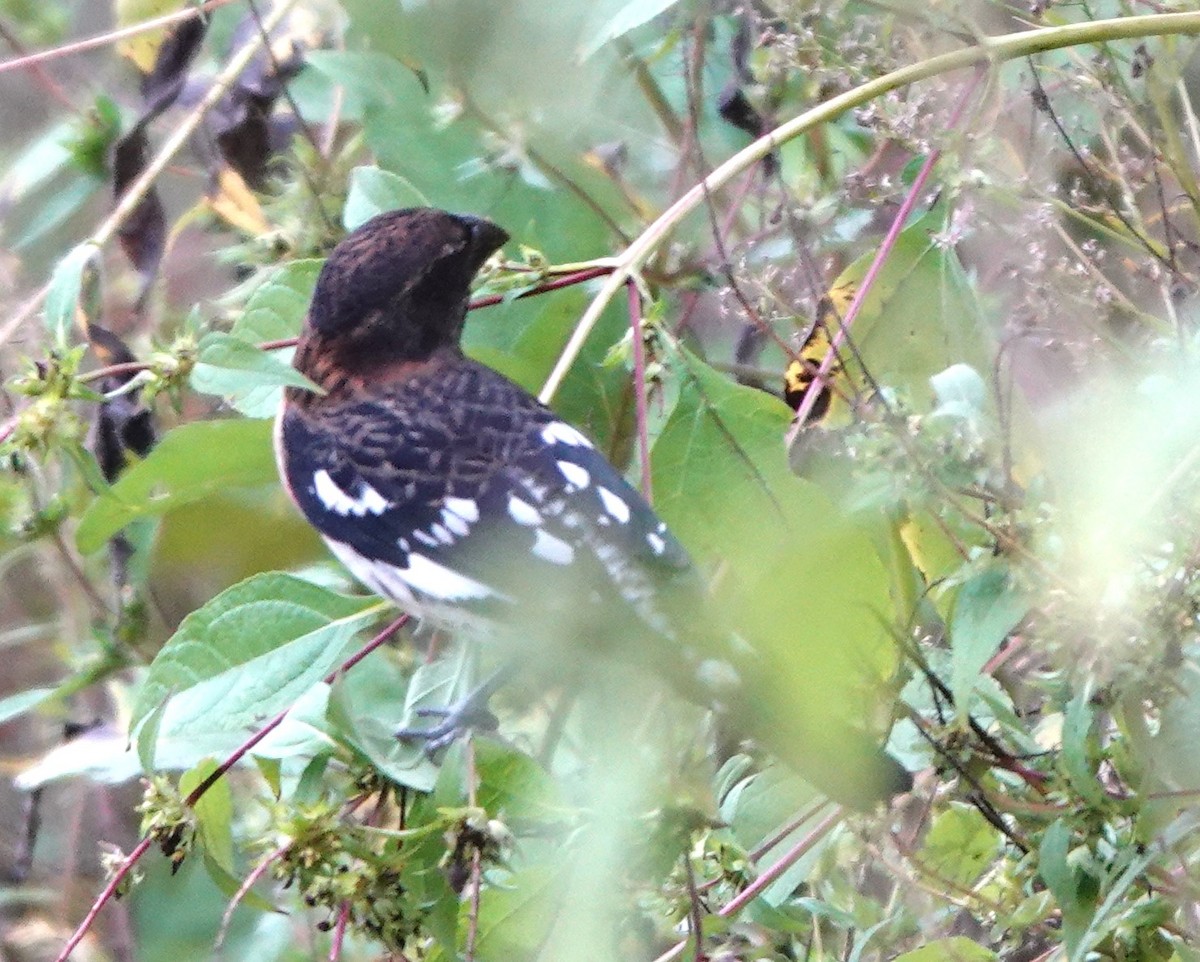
460	496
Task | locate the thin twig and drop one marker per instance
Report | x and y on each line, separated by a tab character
639	388
755	888
39	73
137	191
695	910
111	36
143	846
135	367
339	932
809	401
248	883
989	50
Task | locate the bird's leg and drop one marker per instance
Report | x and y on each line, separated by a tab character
468	713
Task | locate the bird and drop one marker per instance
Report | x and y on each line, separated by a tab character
447	488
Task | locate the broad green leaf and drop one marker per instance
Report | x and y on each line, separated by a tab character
957	948
960	845
768	802
919	319
1064	881
514	786
515	918
75	274
274	311
276	308
369	78
15	705
190	463
1172	750
1076	739
987	608
800	582
373	191
250	378
249	653
214	813
367	708
304	733
629	17
959	392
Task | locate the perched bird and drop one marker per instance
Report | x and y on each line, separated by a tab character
450	490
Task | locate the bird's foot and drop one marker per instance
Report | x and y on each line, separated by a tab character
457	721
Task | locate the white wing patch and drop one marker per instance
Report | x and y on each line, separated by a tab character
657	545
455	524
556	432
614	504
465	508
437	581
552	549
423	584
575	474
522	512
369	501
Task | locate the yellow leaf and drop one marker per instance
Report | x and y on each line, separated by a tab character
142	49
236	204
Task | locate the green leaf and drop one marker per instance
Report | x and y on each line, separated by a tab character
369	78
1171	751
960	845
214	813
1076	737
514	919
366	709
767	802
629	17
988	607
276	308
69	285
250	652
921	316
514	786
1064	882
957	948
373	191
959	392
191	462
274	311
248	377
15	705
801	583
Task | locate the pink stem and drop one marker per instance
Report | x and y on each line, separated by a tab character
910	201
339	932
143	846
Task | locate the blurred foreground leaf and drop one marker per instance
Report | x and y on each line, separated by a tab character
249	653
190	463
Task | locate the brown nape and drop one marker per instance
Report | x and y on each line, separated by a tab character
321	363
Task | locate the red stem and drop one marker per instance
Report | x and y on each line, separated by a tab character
339	932
565	281
132	858
910	201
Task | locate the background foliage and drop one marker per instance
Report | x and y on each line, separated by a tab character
981	544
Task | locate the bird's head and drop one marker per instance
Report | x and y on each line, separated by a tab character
396	289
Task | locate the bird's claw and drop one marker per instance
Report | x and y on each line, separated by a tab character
457	721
